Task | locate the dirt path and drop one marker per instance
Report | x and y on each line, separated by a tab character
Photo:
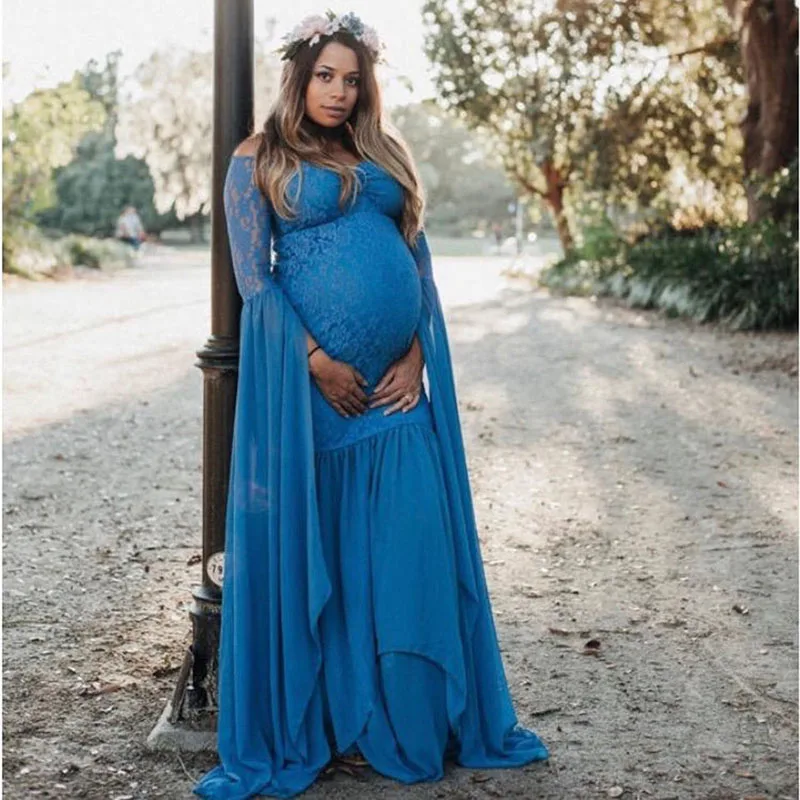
635	483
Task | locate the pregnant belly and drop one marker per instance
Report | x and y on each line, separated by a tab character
355	285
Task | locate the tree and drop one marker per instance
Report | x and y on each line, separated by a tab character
102	84
466	189
95	186
39	135
768	35
667	140
166	122
602	94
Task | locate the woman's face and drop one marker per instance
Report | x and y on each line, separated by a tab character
333	89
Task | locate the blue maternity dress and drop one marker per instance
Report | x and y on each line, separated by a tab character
355	613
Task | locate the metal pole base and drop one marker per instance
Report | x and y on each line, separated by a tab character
189	720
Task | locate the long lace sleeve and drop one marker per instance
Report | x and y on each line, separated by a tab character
249	221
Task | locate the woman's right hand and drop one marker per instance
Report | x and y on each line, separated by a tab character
339	383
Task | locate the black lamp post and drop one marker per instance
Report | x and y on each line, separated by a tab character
194	700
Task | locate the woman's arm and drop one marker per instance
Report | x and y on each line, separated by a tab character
249	223
248	219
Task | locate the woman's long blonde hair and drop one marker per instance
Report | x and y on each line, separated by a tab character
284	142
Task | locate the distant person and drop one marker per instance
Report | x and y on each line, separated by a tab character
497	230
129	228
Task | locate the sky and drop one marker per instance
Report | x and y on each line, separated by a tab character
45	41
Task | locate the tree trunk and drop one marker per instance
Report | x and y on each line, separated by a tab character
554	197
768	41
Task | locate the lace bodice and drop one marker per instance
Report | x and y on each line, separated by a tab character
254	230
346	271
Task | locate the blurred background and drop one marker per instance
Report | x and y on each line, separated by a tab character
645	150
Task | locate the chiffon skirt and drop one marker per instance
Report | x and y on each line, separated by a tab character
398	683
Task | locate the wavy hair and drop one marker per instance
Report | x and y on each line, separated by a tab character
284	142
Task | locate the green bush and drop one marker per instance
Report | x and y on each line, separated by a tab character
27	251
80	251
95	253
32	253
744	276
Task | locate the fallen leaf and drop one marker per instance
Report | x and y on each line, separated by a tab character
354	760
97	688
167	669
592	648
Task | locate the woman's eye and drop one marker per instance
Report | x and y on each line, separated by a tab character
326	75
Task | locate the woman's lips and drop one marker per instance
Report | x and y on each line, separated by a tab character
334	112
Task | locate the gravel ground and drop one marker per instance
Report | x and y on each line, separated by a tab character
635	482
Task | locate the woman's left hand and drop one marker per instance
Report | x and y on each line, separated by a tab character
401	384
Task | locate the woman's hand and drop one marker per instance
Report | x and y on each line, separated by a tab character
401	384
339	383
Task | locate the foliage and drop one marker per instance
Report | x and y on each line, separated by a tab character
86	194
95	186
637	100
668	136
166	121
34	254
39	135
96	253
465	189
777	195
102	83
744	275
168	125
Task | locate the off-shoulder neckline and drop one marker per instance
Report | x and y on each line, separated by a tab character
363	162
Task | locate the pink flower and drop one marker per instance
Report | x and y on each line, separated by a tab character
312	25
312	28
370	39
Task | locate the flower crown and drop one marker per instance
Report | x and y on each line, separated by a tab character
313	27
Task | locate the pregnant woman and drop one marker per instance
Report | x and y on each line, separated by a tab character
355	615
